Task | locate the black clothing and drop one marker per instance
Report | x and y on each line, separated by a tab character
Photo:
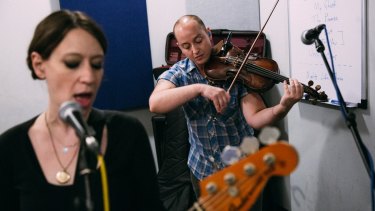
172	147
130	170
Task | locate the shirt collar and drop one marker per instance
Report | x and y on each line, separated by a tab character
191	65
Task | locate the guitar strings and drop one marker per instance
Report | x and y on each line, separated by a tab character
214	202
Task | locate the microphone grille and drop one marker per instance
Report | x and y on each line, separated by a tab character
67	108
305	40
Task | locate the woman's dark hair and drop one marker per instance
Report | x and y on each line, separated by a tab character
52	30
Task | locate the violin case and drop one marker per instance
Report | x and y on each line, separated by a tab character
170	130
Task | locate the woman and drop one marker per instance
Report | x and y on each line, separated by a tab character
39	158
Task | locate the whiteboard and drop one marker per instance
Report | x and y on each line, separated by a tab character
345	22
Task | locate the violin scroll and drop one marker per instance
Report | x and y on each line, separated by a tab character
314	94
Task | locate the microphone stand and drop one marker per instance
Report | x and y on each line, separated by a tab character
85	171
88	142
349	116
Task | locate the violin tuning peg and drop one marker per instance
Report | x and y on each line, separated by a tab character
310	83
317	87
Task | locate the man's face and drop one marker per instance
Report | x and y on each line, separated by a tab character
194	41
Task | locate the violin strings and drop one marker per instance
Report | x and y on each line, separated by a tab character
280	78
258	70
235	61
269	74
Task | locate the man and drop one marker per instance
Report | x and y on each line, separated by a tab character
215	117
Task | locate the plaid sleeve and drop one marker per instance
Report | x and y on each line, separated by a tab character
173	75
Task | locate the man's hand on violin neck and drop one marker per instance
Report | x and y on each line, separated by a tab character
292	93
219	97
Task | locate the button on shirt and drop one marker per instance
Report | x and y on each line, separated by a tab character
209	131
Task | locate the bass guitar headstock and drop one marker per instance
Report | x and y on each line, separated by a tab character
238	186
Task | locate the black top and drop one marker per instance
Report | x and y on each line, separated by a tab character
130	170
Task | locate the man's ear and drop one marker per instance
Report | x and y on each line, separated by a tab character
209	32
38	65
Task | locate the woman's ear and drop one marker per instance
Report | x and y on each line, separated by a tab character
37	63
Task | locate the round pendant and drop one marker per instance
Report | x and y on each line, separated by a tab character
62	177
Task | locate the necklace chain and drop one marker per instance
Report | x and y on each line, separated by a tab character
61	176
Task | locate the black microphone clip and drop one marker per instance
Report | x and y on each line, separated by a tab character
227	45
309	36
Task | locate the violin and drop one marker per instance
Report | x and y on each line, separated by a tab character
259	75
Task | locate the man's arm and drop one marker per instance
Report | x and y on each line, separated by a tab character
166	96
256	113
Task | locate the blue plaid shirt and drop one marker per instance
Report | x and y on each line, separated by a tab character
209	132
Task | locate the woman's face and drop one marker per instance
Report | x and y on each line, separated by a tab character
75	69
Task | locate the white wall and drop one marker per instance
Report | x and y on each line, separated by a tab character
331	175
20	97
162	15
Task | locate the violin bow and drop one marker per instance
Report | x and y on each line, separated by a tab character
251	48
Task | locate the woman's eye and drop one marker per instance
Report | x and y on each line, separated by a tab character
72	65
97	66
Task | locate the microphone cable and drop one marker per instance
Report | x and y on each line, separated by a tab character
104	180
346	116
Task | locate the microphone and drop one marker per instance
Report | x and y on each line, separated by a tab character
71	113
309	36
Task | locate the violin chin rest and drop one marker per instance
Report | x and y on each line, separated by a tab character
216	49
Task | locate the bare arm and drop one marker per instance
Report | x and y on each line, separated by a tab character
166	96
256	113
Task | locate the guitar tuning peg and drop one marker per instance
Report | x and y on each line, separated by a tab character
269	135
310	83
317	87
249	145
230	155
